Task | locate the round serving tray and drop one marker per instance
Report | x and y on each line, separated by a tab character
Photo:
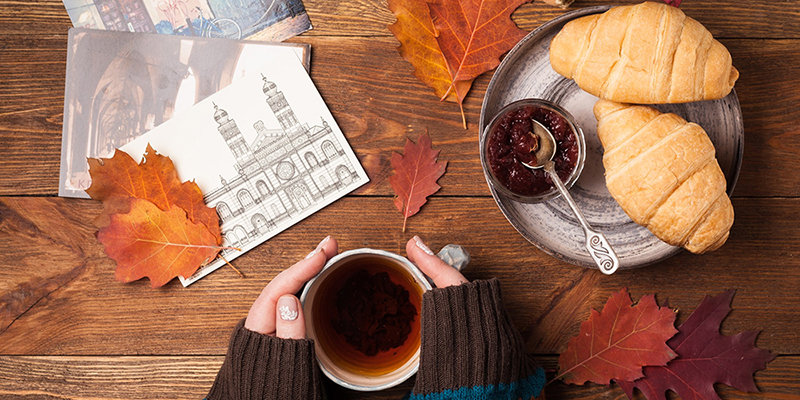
526	73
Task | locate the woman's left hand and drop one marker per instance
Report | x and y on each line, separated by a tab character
277	312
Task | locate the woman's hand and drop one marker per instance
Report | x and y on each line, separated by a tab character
442	274
277	312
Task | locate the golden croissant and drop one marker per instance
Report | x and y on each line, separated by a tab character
648	53
663	173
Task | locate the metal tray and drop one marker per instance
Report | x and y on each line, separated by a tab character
524	73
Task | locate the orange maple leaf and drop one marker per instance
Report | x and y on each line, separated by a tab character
452	42
416	173
160	245
417	35
155	180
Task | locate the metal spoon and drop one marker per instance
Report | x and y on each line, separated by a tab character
596	243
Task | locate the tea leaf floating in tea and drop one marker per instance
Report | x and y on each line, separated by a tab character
375	314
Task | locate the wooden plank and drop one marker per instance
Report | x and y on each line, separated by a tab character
728	18
190	377
58	295
377	101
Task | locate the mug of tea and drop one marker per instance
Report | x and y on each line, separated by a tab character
363	313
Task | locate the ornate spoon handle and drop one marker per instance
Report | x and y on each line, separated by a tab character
596	243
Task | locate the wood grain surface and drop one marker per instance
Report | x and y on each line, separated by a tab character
68	330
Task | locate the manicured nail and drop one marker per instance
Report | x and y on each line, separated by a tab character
322	243
313	253
319	247
422	246
287	308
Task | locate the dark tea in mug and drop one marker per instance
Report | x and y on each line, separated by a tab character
363	311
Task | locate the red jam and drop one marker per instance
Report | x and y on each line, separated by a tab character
510	145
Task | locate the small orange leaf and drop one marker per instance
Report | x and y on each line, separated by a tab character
154	180
160	245
416	173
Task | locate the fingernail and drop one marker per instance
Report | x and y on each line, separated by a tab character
313	253
322	243
287	308
422	246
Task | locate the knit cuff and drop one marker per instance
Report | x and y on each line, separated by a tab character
259	366
470	348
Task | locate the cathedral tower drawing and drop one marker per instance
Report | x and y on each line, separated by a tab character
281	173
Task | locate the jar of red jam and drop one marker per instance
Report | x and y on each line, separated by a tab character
506	144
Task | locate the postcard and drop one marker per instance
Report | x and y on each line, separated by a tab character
265	152
273	20
120	85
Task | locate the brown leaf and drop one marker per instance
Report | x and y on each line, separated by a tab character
417	35
617	342
160	245
416	173
473	34
451	42
154	180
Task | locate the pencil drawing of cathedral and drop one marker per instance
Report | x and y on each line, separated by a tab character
280	174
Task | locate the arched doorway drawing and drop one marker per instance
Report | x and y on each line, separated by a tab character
259	223
328	149
241	234
344	174
301	196
263	189
311	159
223	211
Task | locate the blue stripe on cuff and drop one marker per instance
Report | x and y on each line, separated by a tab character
530	387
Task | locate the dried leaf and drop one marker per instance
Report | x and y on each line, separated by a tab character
617	342
414	29
473	34
154	180
705	357
160	245
416	173
451	42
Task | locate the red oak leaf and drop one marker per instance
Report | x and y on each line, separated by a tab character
157	244
619	341
416	173
705	357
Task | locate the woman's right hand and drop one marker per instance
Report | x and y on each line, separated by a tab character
442	274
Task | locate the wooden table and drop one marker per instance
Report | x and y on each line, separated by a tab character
69	330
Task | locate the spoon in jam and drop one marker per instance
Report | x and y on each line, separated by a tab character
596	243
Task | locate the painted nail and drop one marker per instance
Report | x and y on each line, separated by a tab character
313	253
322	243
422	246
287	308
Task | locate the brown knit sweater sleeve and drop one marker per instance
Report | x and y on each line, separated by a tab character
470	348
265	367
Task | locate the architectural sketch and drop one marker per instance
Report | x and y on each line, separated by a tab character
265	151
282	173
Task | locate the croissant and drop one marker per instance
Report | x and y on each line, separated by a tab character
663	173
647	53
